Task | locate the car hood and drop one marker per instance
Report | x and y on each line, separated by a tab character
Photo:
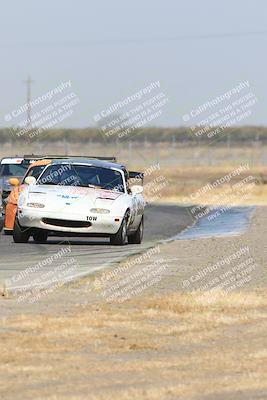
69	196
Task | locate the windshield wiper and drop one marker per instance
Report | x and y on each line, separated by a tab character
94	186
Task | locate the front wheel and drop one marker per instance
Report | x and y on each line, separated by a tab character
20	235
120	238
137	237
40	236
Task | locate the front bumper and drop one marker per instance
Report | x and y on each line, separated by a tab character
103	224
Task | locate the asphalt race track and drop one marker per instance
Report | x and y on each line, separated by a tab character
161	222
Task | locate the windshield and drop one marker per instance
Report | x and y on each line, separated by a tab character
82	175
13	169
35	172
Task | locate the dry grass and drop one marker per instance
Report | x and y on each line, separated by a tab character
183	184
152	348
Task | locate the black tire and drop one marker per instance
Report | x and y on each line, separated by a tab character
40	236
137	237
120	238
20	235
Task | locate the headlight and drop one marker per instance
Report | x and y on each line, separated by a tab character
100	210
35	205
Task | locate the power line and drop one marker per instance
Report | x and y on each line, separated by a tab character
85	43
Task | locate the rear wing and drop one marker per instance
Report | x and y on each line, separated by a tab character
136	176
58	156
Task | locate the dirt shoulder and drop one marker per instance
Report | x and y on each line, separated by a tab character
169	347
170	339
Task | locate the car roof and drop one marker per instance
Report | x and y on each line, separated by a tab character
91	162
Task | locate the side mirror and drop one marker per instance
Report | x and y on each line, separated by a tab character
13	181
137	189
30	180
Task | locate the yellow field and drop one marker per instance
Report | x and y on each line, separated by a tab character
152	348
184	183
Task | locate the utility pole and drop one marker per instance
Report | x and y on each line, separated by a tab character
29	82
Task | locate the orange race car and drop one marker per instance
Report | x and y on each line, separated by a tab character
35	170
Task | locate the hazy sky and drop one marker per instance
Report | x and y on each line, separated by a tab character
111	49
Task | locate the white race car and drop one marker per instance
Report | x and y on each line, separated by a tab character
84	197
